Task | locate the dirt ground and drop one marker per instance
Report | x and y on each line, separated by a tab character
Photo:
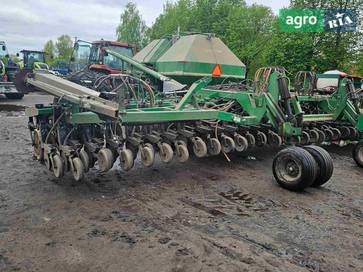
203	215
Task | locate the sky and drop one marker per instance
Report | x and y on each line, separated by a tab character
29	24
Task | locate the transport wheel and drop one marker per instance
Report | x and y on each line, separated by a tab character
251	139
126	159
166	152
83	155
182	153
325	164
358	154
199	147
336	134
147	155
214	146
77	169
261	139
328	135
305	138
241	143
58	167
314	136
38	150
228	144
274	139
294	168
105	159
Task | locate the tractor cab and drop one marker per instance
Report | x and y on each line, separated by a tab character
33	60
94	55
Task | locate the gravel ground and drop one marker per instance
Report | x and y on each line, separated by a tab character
203	215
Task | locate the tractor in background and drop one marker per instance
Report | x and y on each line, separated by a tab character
8	70
89	61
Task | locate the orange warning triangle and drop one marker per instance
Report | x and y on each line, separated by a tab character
217	71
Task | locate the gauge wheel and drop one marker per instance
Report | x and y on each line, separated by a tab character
147	155
57	166
166	152
182	153
77	169
214	146
105	159
126	159
241	143
199	147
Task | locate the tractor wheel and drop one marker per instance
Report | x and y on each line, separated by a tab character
214	146
166	152
14	95
325	164
57	166
147	155
241	143
199	147
105	159
358	154
294	168
182	153
228	144
77	169
83	155
126	159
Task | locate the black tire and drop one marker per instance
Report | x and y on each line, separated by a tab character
358	154
294	168
325	164
14	95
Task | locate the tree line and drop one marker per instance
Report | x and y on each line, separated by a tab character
252	33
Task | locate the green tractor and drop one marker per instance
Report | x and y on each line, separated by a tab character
32	60
8	69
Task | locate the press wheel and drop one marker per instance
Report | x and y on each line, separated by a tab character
147	155
166	152
105	159
199	147
77	169
214	146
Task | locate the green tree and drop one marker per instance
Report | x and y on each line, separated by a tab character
49	50
64	47
132	29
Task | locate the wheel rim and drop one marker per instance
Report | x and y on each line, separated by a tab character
214	146
288	169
